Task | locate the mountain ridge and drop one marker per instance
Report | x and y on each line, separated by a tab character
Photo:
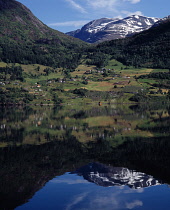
106	29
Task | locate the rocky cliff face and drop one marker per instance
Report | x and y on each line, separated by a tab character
105	29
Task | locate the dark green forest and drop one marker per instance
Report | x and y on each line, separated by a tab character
25	39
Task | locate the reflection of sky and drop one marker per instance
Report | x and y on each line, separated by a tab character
70	191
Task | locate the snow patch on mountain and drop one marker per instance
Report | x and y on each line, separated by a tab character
113	28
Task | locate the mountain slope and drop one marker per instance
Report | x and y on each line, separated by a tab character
105	29
150	48
162	20
25	39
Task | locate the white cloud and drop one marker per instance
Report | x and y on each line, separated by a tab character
102	3
128	13
134	204
100	6
109	4
77	6
70	23
76	200
133	1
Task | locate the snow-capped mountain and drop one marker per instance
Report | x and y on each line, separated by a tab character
113	28
108	176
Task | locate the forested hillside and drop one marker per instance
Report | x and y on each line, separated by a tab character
150	48
25	39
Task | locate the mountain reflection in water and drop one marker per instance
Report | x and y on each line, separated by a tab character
108	176
113	146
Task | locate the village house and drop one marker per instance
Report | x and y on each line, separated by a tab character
88	72
2	83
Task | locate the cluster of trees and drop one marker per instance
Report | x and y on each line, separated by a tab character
80	91
163	79
95	95
15	95
156	75
56	99
67	73
45	54
15	72
98	59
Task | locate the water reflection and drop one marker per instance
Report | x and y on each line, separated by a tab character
37	126
122	144
108	176
104	187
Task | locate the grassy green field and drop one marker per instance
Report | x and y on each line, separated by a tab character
115	78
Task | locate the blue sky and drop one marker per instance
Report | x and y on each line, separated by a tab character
68	15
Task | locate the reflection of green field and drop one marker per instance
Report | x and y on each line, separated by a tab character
86	123
2	64
100	121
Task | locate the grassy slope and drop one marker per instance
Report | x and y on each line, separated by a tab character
120	80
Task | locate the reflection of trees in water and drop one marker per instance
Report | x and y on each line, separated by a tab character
16	121
26	169
158	123
48	124
103	111
11	119
12	135
15	114
44	123
144	107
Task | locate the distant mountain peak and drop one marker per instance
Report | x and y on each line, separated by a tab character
105	29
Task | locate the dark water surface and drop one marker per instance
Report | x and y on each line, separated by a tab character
84	157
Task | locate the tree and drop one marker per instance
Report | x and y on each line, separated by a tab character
56	99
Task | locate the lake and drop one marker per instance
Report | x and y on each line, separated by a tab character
85	157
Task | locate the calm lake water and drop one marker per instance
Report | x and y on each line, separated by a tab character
84	157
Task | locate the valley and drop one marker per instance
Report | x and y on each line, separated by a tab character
114	83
